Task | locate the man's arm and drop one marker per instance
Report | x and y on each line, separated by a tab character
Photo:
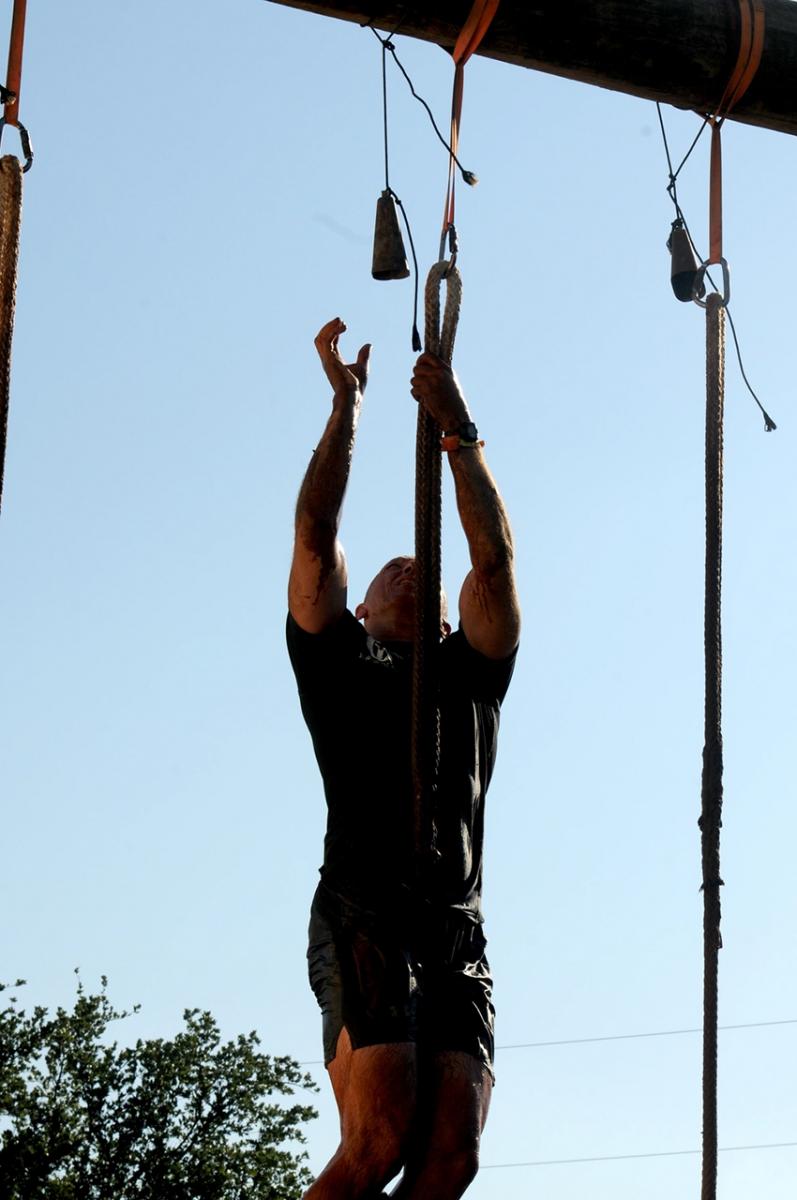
317	585
488	603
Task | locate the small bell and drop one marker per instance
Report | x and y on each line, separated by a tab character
685	266
390	258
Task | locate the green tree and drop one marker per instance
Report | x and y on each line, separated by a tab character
189	1118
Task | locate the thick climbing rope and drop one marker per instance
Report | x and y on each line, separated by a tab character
711	791
11	170
10	214
749	57
425	710
425	743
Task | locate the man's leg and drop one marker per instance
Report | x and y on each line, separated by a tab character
454	1098
375	1092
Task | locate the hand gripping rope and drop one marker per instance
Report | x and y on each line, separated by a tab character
425	749
11	171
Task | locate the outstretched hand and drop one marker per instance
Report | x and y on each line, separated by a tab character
348	379
436	386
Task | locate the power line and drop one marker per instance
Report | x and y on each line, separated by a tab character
620	1037
562	1162
613	1037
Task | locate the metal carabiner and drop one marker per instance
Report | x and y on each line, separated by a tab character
699	288
450	233
24	137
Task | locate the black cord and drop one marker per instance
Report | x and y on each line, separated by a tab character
769	424
387	44
384	114
417	345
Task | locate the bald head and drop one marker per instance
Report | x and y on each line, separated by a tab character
388	610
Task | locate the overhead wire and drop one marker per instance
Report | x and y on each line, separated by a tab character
615	1037
598	1158
656	1033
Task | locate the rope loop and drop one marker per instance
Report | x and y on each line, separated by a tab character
440	341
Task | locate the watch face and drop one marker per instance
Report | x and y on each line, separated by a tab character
468	432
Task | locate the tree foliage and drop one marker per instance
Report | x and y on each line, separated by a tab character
189	1118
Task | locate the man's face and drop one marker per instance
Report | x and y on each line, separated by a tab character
391	593
389	605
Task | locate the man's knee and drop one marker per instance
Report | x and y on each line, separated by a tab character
375	1155
458	1167
464	1166
360	1168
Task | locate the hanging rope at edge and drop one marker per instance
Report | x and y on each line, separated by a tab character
11	171
711	782
425	749
749	57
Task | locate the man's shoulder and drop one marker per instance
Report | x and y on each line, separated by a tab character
344	632
484	678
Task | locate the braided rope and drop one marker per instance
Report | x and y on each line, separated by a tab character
10	216
425	749
711	814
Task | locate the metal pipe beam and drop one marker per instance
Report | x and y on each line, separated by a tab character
680	52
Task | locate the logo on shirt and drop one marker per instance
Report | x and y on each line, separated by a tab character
376	652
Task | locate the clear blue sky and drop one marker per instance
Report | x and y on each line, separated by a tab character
202	201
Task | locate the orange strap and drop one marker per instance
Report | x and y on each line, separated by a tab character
478	22
14	75
751	47
470	38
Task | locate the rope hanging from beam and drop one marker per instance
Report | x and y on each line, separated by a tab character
711	790
425	710
10	217
11	171
749	57
439	340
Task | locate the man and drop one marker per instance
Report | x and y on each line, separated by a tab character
399	967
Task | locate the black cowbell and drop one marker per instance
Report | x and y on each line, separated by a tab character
684	266
390	258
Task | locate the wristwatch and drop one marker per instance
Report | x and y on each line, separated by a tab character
467	433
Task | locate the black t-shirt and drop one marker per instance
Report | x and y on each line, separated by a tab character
355	694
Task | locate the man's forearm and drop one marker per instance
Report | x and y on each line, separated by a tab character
481	511
320	502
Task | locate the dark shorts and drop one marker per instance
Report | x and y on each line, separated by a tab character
400	978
